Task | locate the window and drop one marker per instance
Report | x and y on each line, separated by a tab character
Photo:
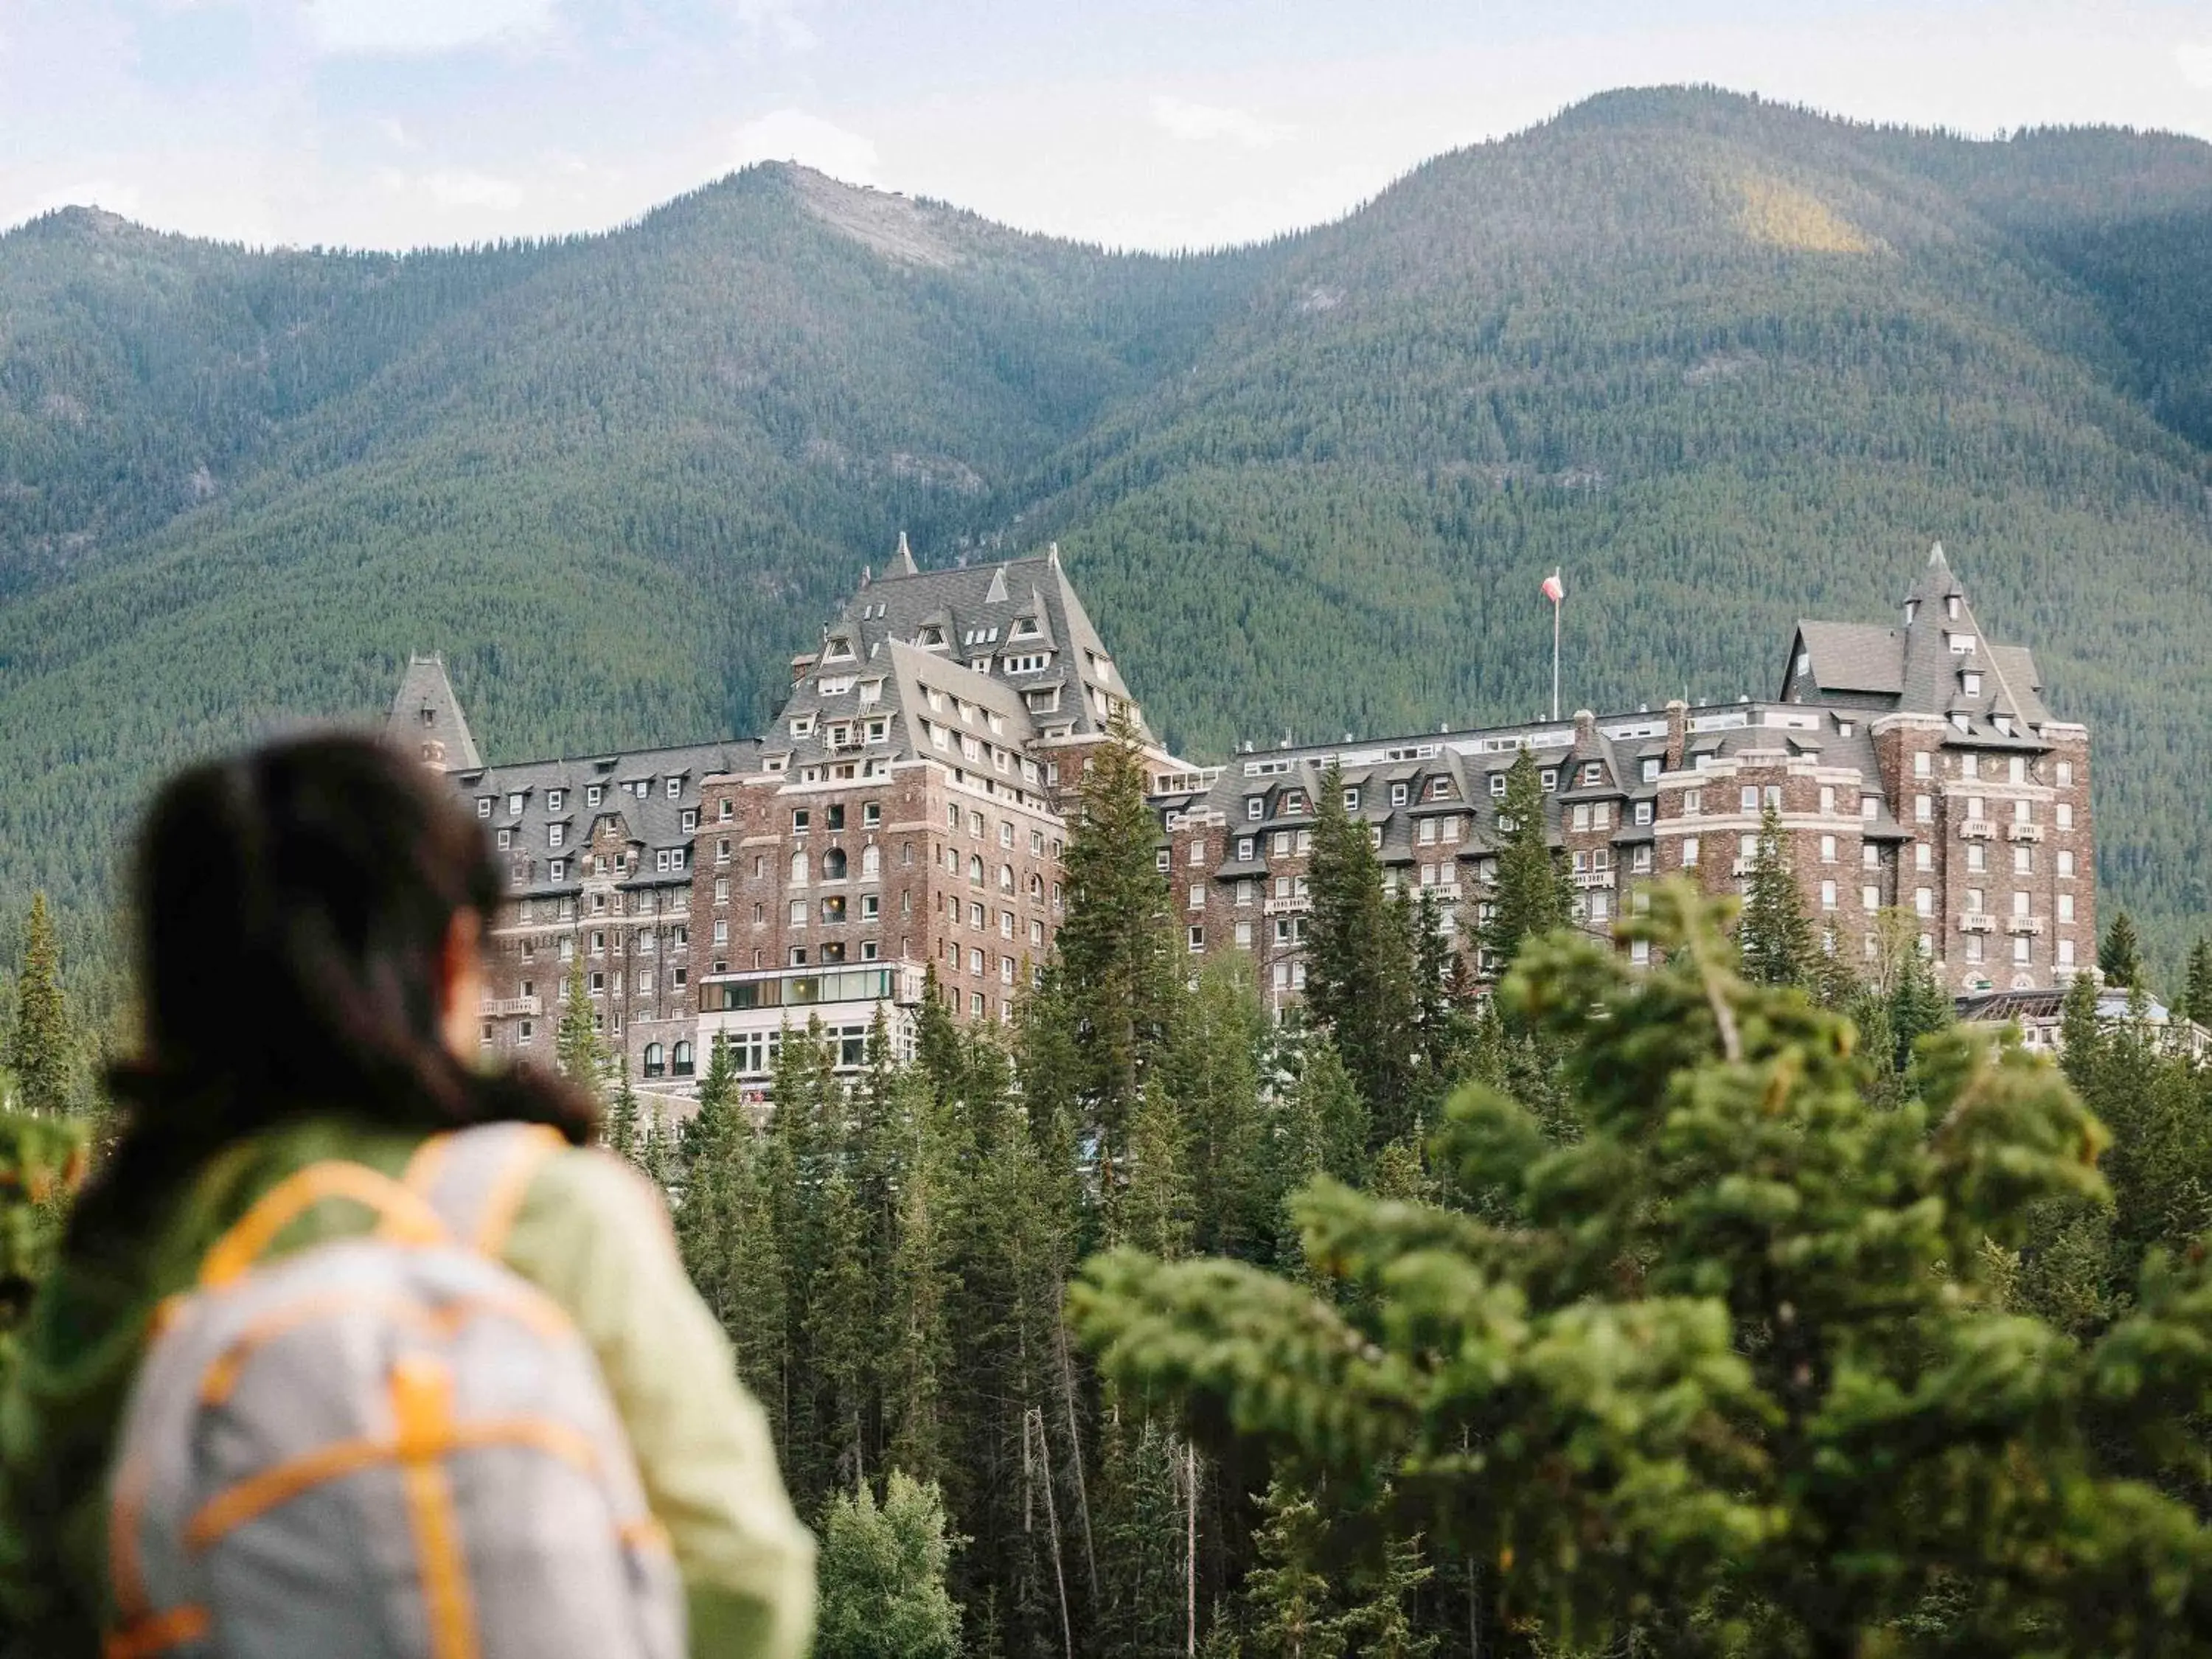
1973	947
1971	684
1923	856
1639	859
2065	861
2065	774
1868	806
484	806
514	805
1651	768
2022	952
798	912
1197	901
2023	860
2065	955
1923	900
1161	858
1870	899
1550	777
1254	806
1977	856
833	909
1352	800
1197	936
1497	783
555	834
557	870
1923	810
2065	814
833	865
690	820
2066	907
1693	802
1689	852
1243	849
1827	849
505	839
1398	795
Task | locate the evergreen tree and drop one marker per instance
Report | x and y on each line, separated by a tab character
2081	1033
1211	1071
42	1047
1362	974
656	1156
1813	1361
1109	1001
2120	957
623	1140
1289	1612
576	1046
919	1356
2197	984
1531	894
1380	1625
842	1331
883	1576
1917	1005
1775	934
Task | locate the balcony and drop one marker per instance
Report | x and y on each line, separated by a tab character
2029	924
1977	921
1441	892
1978	829
508	1007
1593	878
2030	833
1286	907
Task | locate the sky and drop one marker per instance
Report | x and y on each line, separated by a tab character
394	124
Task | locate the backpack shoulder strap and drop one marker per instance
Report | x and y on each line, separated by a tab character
401	1215
475	1179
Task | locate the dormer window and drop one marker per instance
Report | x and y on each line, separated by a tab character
1911	610
1398	794
839	649
1804	663
1497	783
1651	768
514	805
553	800
1551	777
1025	628
1951	607
836	685
802	726
1972	683
1593	772
484	806
1962	645
1256	806
594	794
1352	800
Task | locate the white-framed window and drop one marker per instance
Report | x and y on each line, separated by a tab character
1923	810
2065	953
1689	852
1497	783
1693	803
2065	814
2066	907
1923	900
2066	861
484	806
514	805
1748	797
1827	849
1828	896
1870	898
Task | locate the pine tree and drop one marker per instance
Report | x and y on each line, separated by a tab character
576	1045
1108	1002
2120	957
2196	985
1362	974
1917	1005
883	1576
656	1156
1531	894
917	1351
42	1048
1211	1071
1286	1593
1775	935
623	1137
1380	1623
842	1329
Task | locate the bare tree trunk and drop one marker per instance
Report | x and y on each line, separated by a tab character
1052	1514
1075	1450
1190	1549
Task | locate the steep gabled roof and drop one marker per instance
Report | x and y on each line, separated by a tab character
1853	656
426	718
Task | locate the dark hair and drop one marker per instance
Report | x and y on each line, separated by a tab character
294	904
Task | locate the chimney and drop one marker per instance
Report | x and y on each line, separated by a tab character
1585	729
1678	732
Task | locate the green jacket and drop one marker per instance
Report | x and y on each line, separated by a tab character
590	1233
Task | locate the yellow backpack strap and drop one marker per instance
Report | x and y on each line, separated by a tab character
402	1215
476	1179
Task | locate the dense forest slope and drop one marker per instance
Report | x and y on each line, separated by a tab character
1727	364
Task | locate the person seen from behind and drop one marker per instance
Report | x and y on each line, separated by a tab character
354	1340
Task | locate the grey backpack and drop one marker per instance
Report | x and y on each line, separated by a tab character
385	1445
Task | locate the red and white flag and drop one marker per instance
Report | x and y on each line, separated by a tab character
1552	590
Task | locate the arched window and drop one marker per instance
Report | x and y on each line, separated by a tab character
656	1063
872	862
683	1066
1036	889
833	865
799	869
976	869
1005	878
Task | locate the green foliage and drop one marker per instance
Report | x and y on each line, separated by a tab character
1746	1351
42	1048
41	1160
1287	1592
2120	957
2196	1000
883	1576
625	1139
1531	895
577	1049
1775	934
1363	966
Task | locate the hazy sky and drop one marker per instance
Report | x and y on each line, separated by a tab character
392	122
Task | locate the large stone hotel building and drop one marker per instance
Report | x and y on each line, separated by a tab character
908	808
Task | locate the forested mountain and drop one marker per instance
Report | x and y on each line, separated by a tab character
1727	364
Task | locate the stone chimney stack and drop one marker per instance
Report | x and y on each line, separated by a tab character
1678	732
1585	728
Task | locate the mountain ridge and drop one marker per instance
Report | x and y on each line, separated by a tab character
1684	343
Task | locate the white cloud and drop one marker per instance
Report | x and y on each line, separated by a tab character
453	188
780	20
413	27
2196	62
791	135
1204	123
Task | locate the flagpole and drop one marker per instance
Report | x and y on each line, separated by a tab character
1555	652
